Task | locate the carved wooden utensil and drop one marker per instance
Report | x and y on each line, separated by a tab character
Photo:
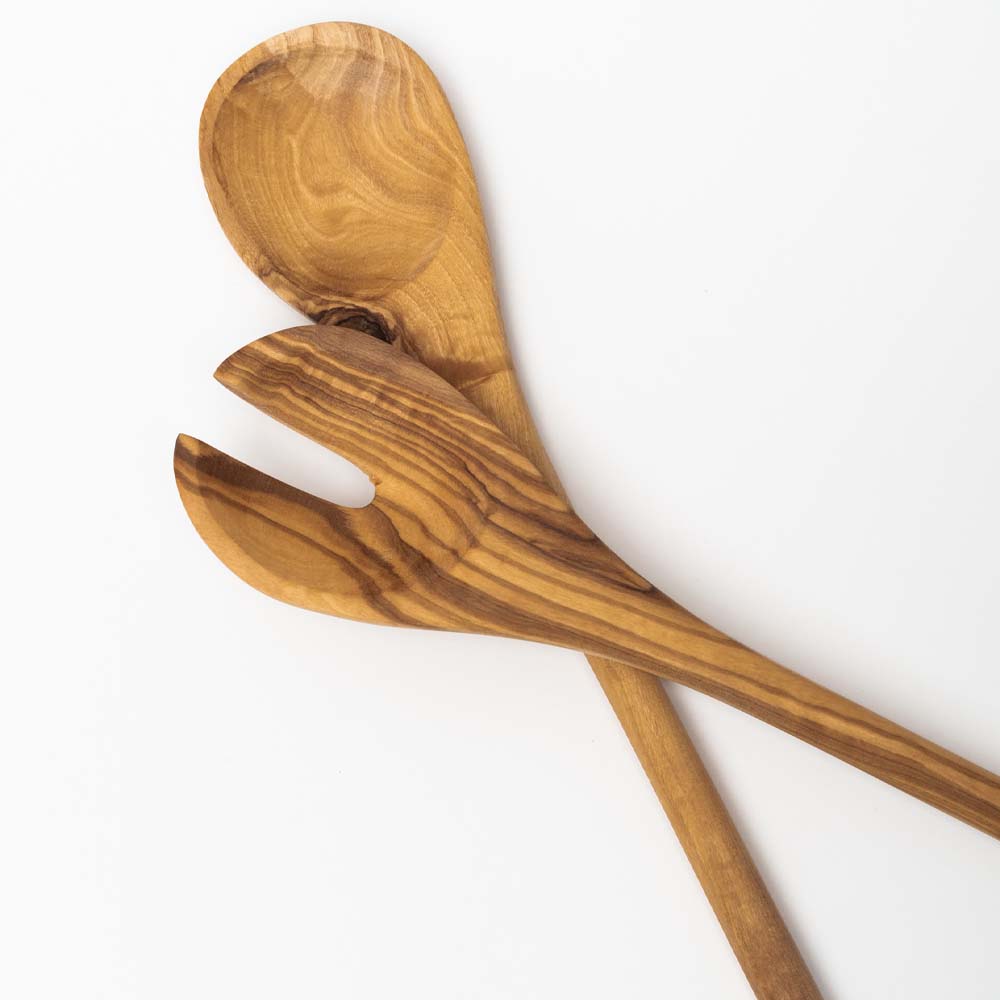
338	172
466	535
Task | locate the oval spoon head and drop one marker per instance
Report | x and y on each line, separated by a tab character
337	170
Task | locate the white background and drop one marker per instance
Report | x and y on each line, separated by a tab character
749	264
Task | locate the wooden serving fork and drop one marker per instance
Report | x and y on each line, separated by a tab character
466	535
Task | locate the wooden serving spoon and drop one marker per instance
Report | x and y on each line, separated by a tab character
338	172
466	535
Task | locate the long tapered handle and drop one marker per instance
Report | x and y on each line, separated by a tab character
716	665
766	951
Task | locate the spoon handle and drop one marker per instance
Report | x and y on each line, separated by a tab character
767	952
756	932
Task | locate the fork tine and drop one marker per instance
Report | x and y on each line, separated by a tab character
287	543
377	407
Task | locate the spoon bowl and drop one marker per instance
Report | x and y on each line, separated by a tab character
338	172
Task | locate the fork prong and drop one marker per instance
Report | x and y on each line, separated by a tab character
287	543
365	400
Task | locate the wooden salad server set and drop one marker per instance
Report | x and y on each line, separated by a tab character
335	166
337	170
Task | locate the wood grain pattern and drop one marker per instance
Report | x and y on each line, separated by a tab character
338	172
465	534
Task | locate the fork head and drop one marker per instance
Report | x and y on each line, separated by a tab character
462	524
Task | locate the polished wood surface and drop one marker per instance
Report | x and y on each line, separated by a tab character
336	168
465	534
